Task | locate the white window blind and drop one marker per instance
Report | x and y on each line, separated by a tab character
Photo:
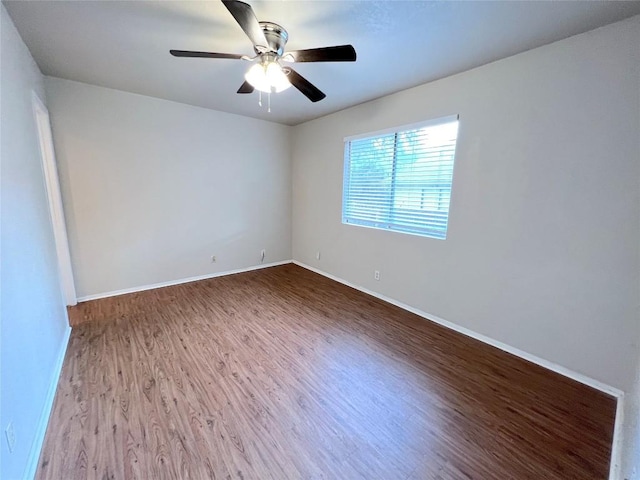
401	180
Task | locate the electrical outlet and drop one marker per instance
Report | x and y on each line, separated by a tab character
376	274
318	255
213	259
11	437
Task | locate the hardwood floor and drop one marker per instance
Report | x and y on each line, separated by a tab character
283	374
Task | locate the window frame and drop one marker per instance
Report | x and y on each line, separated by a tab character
388	225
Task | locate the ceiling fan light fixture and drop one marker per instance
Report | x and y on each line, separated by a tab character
269	40
267	77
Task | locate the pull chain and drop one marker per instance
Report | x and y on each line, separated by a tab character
268	100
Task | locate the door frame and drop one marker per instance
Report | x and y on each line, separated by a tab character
54	196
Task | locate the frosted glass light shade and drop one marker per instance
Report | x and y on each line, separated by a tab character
267	78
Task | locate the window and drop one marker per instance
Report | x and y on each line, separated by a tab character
401	180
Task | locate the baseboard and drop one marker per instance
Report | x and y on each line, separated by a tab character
170	283
478	336
615	469
590	382
616	448
38	441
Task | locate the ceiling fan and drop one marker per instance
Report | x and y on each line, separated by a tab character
267	74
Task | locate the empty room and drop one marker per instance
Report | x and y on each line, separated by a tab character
391	240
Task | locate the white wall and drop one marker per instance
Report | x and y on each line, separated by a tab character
153	188
543	248
543	251
34	322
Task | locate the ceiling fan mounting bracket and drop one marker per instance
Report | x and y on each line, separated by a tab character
276	37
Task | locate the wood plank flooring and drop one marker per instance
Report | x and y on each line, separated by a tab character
283	374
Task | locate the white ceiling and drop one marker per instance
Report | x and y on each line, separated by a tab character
125	44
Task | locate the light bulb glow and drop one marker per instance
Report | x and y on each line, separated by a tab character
277	77
267	77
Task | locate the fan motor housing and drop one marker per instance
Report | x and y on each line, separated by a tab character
276	37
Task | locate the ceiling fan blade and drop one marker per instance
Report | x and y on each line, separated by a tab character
246	87
243	13
306	87
188	53
339	53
